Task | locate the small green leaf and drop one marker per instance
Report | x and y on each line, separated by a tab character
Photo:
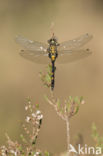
94	128
68	106
76	100
58	103
48	78
81	99
47	153
70	98
37	106
77	109
23	138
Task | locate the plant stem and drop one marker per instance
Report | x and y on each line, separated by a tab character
68	136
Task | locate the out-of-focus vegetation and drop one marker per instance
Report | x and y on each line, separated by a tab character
98	139
27	147
34	121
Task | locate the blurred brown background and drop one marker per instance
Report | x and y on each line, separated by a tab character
19	77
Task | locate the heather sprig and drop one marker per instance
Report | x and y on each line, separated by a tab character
33	122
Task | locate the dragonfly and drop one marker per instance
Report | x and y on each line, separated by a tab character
53	51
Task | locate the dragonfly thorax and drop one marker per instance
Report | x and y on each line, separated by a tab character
52	49
52	52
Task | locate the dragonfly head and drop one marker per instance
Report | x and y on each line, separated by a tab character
53	41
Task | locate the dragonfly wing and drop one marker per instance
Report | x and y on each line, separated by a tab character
75	43
71	56
31	45
35	56
33	50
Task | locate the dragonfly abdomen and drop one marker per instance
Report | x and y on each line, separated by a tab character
53	75
52	52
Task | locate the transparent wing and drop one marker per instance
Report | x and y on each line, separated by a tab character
31	45
33	50
75	43
35	56
70	56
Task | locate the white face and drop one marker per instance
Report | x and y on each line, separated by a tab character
52	41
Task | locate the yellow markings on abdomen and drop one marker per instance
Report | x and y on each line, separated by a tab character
53	57
52	78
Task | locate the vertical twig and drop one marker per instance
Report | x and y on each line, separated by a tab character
68	136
